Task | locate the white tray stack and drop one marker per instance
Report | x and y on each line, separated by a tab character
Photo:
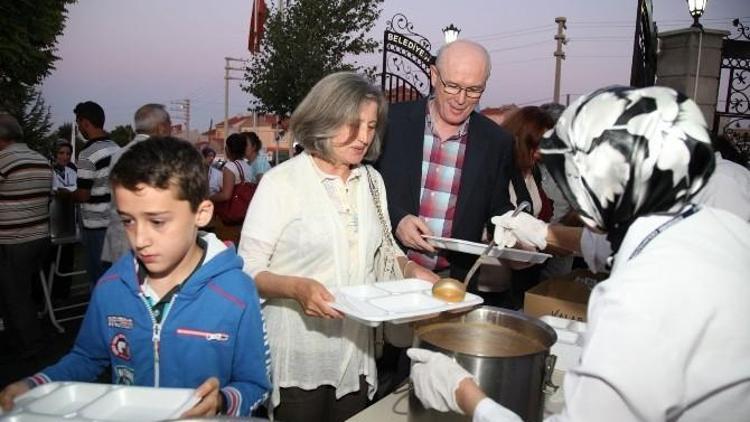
78	401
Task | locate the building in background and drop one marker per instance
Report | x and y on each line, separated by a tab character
266	126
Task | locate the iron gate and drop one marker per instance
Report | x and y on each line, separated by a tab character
406	61
643	67
733	119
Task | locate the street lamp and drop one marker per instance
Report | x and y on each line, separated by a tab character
696	8
450	33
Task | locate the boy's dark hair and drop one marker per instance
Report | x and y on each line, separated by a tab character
90	111
254	140
208	151
160	162
236	146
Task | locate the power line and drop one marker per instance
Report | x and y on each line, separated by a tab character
513	32
496	50
534	101
515	35
535	59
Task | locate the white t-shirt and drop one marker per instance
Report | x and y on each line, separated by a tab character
728	188
666	338
232	167
64	179
215	180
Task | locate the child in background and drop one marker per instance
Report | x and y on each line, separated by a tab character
177	311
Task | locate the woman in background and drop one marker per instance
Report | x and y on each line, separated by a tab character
215	179
235	171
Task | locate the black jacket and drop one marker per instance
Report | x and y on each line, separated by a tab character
487	171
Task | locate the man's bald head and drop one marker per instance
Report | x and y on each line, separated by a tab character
463	51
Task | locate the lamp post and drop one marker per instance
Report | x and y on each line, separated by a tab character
227	77
696	8
450	33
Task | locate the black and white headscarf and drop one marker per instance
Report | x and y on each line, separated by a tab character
621	153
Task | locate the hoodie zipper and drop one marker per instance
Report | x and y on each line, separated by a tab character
156	331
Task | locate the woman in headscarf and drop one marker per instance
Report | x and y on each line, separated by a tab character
665	337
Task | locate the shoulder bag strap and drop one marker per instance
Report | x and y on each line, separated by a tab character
238	164
375	193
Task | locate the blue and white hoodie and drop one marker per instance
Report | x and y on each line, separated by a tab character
213	327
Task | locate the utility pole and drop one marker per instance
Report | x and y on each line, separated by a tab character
559	54
182	108
227	78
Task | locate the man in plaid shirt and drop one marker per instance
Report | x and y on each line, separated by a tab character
445	166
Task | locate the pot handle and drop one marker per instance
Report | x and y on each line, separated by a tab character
548	386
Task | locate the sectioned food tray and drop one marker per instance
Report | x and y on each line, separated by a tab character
80	401
397	302
474	248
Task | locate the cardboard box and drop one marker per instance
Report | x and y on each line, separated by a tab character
564	297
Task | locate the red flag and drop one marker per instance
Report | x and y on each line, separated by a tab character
257	21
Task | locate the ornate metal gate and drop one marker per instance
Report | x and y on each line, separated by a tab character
643	67
733	119
406	61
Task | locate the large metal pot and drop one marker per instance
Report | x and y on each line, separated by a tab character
507	352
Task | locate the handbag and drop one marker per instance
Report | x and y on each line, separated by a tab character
386	264
233	211
387	268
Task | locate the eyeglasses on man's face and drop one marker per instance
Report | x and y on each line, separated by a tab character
450	88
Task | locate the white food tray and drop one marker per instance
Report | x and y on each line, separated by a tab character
474	248
397	302
80	401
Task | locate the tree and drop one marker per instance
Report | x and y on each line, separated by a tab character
32	113
28	35
122	134
310	39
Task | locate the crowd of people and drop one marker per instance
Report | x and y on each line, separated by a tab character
626	178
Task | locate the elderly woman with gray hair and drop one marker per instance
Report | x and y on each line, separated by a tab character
666	339
314	225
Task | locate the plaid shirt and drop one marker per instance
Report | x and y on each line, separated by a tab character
442	161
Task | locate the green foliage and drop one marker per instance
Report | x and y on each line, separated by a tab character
28	34
29	108
122	134
310	40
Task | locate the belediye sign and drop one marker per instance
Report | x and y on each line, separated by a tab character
409	45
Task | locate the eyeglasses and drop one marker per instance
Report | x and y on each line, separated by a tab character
473	92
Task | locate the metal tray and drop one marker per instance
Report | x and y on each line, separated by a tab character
474	248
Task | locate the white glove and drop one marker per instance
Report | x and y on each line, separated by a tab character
436	378
523	228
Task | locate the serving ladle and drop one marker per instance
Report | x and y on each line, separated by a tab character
452	290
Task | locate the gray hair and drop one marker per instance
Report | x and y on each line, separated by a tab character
149	117
440	59
10	130
332	103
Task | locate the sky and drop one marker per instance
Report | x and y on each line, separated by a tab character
123	54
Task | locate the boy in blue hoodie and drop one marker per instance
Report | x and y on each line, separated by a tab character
177	311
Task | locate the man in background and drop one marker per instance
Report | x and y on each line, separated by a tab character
25	186
93	191
150	120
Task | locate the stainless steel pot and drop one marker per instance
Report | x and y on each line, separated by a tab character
507	352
